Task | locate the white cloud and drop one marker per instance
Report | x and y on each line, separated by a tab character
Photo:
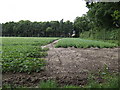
41	10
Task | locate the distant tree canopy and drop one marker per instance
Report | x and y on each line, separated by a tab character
102	17
26	28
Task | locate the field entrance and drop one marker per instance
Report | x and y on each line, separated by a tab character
68	66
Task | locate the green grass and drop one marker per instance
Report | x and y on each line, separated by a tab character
83	43
71	86
113	41
109	81
48	84
23	54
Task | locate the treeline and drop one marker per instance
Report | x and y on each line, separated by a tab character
102	21
26	28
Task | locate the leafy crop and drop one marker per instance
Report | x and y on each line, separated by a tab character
83	43
23	54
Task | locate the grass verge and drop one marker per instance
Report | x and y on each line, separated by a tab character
83	43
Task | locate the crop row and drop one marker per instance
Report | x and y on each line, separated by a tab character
23	54
83	43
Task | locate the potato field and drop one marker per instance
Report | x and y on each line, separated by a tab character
23	54
61	63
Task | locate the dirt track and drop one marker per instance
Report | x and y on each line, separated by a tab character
68	66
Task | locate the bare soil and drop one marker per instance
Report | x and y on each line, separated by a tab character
68	66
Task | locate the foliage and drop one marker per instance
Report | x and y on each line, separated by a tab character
101	34
102	21
48	84
101	13
116	18
71	86
22	54
81	24
26	28
83	43
49	31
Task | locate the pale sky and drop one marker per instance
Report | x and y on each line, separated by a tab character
41	10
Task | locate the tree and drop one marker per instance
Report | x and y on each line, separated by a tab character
55	27
81	24
49	31
116	18
26	28
8	28
61	28
67	28
101	13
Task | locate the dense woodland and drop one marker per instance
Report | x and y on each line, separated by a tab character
102	21
26	28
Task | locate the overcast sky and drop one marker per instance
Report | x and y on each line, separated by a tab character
41	10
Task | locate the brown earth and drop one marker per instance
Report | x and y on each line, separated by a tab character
68	66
